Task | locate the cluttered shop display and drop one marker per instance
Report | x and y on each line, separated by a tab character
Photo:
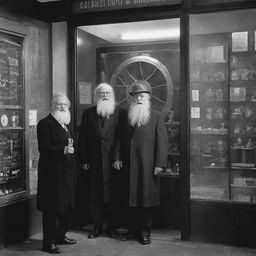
12	175
223	116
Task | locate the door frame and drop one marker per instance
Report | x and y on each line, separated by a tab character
144	14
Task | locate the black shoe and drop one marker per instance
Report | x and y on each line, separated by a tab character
66	240
51	248
145	239
95	233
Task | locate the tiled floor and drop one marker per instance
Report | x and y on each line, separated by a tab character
163	244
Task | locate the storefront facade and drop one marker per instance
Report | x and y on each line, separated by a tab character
212	115
203	84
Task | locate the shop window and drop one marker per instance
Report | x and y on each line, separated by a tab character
12	173
222	106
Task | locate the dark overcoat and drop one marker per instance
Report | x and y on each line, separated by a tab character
143	149
56	170
96	145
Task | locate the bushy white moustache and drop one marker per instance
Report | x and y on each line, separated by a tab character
139	113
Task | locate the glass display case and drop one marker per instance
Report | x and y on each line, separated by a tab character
209	117
223	117
243	117
12	173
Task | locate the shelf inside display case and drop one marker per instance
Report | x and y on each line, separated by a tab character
240	168
210	131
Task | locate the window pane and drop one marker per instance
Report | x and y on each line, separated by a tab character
12	172
222	105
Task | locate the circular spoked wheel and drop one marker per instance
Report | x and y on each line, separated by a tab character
147	70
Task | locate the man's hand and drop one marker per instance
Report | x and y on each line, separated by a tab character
85	167
117	165
158	170
69	150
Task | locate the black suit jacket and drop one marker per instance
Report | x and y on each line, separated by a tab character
96	147
56	171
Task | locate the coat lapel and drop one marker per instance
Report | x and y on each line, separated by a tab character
96	122
58	126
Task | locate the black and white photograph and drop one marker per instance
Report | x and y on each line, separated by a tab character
128	127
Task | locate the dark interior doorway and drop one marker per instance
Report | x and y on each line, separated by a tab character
118	54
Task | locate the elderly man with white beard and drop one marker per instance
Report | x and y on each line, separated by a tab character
144	156
98	139
56	174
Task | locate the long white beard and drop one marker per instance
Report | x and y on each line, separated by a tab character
63	117
139	114
105	108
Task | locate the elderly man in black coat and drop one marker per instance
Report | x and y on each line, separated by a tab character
98	139
56	173
144	147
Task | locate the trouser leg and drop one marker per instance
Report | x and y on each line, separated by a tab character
96	215
62	226
49	227
146	220
112	216
134	221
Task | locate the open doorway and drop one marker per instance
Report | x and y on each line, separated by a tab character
119	54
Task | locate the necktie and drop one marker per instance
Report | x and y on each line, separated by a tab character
102	121
66	129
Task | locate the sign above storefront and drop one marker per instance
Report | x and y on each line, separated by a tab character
81	6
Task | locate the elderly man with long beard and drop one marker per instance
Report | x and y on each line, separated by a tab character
144	156
98	139
56	173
